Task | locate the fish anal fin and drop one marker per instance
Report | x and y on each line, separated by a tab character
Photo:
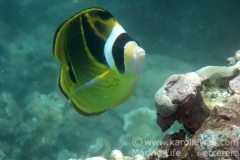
85	113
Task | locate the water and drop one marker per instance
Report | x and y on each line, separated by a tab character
35	119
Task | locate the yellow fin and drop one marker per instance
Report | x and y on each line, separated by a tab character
103	92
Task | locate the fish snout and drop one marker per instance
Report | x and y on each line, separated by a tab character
137	59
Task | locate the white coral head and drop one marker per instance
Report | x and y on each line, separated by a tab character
116	155
231	61
237	55
139	157
163	103
95	158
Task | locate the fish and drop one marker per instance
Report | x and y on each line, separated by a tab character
100	63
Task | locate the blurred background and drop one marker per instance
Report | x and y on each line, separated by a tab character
36	121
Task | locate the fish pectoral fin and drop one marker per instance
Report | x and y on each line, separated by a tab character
87	84
92	81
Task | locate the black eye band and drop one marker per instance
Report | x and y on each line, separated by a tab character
118	51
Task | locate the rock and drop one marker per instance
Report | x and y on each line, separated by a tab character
219	136
177	90
189	98
170	148
234	85
183	91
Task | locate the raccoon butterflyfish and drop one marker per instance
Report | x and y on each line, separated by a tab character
100	62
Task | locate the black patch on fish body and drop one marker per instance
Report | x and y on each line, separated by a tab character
73	38
70	72
100	27
104	15
73	46
94	43
72	76
118	51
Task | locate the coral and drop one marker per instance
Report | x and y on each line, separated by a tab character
163	103
144	129
233	60
11	108
193	93
234	85
31	128
218	72
40	107
99	147
219	136
7	127
95	158
215	84
136	157
2	155
10	114
44	117
177	90
215	91
66	154
118	155
210	118
237	55
4	149
170	147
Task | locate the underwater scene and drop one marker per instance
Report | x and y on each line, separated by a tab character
119	80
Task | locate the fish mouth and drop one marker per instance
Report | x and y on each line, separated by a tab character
139	53
137	60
